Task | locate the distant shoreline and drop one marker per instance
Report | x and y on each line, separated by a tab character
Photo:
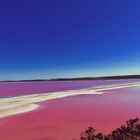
119	77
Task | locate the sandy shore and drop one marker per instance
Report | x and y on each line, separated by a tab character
22	104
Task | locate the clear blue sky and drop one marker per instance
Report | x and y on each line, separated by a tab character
69	38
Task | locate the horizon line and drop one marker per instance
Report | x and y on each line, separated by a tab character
80	78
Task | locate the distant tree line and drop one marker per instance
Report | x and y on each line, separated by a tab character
129	131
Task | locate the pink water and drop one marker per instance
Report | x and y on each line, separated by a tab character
23	88
64	119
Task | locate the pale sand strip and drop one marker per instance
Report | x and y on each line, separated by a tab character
26	103
17	110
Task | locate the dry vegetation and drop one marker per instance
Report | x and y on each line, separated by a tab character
129	131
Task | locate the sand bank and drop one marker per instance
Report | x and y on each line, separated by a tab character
22	104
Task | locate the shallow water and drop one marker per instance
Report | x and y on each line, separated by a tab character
66	118
23	88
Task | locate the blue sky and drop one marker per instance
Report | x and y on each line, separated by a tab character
71	38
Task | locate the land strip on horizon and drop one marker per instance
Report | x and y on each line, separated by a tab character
119	77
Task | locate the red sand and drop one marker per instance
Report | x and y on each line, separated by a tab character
64	119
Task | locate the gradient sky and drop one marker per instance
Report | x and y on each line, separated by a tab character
69	38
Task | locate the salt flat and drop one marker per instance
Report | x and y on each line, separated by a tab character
21	104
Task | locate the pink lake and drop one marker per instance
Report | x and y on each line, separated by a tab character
8	89
66	118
